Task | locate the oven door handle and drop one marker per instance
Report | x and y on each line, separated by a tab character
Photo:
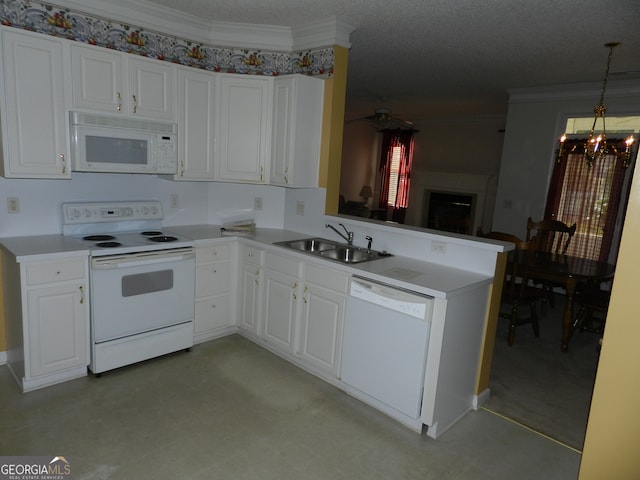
125	261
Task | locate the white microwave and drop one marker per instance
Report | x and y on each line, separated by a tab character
105	143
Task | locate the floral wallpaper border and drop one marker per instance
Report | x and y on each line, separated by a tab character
62	22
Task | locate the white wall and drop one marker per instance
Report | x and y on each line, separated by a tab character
40	200
198	202
227	198
360	155
458	144
535	121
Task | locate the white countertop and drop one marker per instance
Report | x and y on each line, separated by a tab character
424	277
403	272
43	247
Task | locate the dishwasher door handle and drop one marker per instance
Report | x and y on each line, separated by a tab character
409	303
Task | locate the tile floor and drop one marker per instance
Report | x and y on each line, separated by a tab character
229	409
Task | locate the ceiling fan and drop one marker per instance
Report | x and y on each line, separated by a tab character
383	119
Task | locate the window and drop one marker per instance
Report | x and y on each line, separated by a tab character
395	172
592	197
395	176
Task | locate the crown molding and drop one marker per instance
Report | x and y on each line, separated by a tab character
323	33
329	32
146	15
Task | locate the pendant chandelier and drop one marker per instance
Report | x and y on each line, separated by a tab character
596	144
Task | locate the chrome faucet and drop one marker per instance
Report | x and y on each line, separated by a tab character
348	237
369	240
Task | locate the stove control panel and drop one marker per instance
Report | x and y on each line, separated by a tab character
96	212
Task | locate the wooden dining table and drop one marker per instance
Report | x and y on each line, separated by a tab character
570	272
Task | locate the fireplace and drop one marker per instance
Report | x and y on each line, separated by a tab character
449	211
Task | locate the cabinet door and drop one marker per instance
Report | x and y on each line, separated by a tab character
151	88
196	107
297	131
244	128
250	284
281	148
280	305
57	329
35	125
98	79
321	327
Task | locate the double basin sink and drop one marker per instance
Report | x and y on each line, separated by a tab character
333	250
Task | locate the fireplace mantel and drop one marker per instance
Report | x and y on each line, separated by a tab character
481	187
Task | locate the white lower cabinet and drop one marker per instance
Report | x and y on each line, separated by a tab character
322	317
280	306
47	320
214	277
303	307
250	289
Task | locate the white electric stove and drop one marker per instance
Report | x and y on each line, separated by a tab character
142	281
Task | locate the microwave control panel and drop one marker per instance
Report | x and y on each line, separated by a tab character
166	153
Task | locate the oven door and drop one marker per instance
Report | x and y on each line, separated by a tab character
141	292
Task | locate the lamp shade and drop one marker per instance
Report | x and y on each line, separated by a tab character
366	192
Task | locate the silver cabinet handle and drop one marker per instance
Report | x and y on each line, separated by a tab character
64	162
135	103
81	294
119	97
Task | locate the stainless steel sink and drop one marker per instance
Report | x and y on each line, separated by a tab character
331	250
310	244
350	254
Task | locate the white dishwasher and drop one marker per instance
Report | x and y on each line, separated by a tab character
386	337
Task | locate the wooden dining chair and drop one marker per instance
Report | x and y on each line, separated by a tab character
554	236
592	303
517	293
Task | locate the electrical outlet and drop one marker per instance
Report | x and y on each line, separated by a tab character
439	247
299	208
13	205
257	203
174	201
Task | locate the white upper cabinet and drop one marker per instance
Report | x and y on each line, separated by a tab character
269	129
34	122
196	107
243	126
297	131
118	83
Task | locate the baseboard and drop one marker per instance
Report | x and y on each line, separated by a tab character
481	398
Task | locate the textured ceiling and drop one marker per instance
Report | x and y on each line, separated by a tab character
426	57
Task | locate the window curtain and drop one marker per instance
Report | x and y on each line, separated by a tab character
590	196
390	140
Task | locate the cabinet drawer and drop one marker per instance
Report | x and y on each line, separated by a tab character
212	278
251	255
327	278
282	264
213	252
212	313
58	271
